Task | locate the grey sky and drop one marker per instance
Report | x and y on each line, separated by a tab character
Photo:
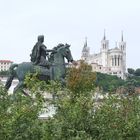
68	21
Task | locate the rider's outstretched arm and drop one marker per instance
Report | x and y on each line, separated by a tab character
49	50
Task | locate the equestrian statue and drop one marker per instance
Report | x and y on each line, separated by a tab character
49	67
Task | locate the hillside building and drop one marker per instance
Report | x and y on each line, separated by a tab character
110	61
5	65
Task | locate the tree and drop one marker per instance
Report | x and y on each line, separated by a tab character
74	107
137	72
131	71
81	79
108	83
4	73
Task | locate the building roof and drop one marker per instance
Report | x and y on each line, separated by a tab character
6	61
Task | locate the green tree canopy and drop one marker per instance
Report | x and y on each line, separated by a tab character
4	73
78	116
131	71
108	83
137	72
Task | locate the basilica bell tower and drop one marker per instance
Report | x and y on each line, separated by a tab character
122	46
85	51
104	50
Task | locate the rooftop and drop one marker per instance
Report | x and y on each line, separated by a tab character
6	61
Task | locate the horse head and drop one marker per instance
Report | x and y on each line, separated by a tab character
64	51
61	50
57	58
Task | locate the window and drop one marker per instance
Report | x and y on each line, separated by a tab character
114	72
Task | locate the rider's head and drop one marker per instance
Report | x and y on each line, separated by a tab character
41	38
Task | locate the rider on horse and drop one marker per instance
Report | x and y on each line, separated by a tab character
39	53
54	69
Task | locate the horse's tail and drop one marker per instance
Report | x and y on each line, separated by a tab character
12	74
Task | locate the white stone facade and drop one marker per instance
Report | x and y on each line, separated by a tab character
109	61
5	65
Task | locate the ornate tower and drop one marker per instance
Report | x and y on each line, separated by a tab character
104	50
122	46
85	51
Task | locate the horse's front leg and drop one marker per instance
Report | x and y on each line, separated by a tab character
20	87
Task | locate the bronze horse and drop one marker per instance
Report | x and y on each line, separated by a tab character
57	70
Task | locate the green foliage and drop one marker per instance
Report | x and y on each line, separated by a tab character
73	118
137	72
134	80
118	118
19	117
74	107
77	115
4	73
131	71
81	79
108	83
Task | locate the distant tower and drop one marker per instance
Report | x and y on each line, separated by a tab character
104	50
85	51
104	44
122	46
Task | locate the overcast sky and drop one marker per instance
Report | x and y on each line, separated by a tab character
68	21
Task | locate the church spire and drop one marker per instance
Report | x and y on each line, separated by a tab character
122	36
104	38
85	45
85	51
85	48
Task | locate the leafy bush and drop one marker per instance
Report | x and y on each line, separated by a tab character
77	116
19	117
108	83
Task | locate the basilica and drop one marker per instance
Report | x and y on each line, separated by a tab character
108	60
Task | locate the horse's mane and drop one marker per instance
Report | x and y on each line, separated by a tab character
55	50
58	47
